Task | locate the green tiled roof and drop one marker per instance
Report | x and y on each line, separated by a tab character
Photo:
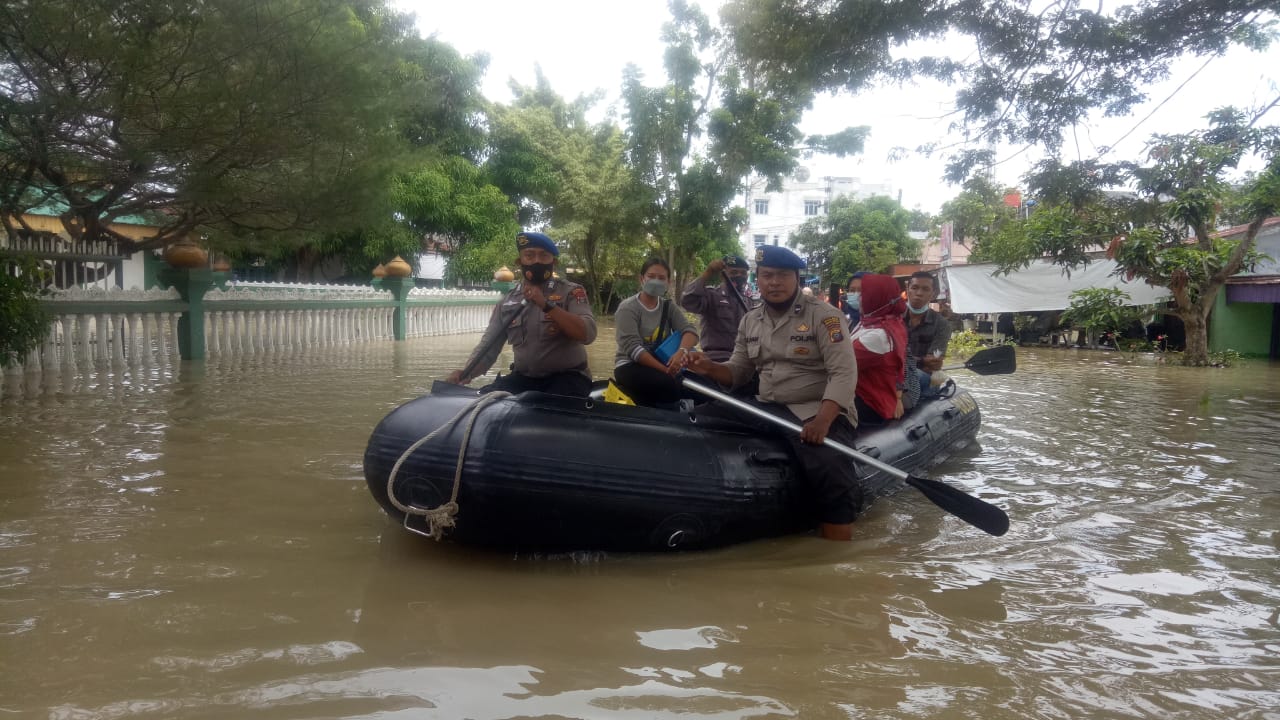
56	206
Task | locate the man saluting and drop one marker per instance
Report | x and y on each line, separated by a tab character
799	347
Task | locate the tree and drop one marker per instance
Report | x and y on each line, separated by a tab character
242	116
1030	74
978	213
695	140
23	320
922	221
855	235
570	174
1164	230
437	194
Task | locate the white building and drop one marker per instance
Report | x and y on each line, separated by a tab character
773	217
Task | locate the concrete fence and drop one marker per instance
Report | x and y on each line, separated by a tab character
203	314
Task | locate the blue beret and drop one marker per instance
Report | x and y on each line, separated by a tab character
776	256
858	275
736	262
537	240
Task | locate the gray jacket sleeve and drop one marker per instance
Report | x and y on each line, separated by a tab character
680	322
626	324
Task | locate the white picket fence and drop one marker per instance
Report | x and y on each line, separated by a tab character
95	327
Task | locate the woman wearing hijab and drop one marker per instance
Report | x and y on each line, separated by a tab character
880	346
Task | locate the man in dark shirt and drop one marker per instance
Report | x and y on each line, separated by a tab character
928	332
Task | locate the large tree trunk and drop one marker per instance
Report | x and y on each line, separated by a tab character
1196	353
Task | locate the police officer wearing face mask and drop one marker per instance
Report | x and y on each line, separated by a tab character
800	348
719	297
548	322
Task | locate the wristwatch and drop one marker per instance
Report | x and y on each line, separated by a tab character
551	305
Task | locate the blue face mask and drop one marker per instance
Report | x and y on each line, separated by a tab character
921	311
854	300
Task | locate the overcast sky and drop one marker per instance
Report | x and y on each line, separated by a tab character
583	45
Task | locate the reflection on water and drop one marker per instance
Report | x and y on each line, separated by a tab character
197	542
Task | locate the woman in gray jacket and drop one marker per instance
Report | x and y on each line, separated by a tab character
643	322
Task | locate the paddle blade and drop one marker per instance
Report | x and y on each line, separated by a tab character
999	360
978	513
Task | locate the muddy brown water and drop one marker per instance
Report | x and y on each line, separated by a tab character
201	544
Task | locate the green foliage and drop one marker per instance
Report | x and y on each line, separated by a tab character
1035	70
978	214
1225	358
24	324
1135	345
696	139
1217	358
855	235
964	344
572	175
1163	230
1101	310
451	200
242	116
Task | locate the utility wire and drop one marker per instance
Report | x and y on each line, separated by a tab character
1156	109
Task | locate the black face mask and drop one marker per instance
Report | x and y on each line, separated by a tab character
537	273
784	306
738	282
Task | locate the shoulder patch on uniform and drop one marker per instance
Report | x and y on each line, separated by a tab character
579	295
835	332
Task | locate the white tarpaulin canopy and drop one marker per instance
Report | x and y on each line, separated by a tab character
1040	286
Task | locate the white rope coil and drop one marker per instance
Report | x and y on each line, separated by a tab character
440	518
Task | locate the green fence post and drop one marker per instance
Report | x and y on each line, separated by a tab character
399	287
151	265
191	284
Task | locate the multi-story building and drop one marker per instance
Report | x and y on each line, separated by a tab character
774	216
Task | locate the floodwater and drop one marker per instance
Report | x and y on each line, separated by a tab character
201	544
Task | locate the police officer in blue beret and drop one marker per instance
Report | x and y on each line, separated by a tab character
548	322
800	348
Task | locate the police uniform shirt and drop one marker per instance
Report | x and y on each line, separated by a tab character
540	348
721	313
803	357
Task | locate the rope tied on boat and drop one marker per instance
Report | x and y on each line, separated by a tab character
440	518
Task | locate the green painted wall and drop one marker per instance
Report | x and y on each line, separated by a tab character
1243	327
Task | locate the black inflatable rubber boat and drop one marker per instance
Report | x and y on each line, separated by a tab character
550	473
